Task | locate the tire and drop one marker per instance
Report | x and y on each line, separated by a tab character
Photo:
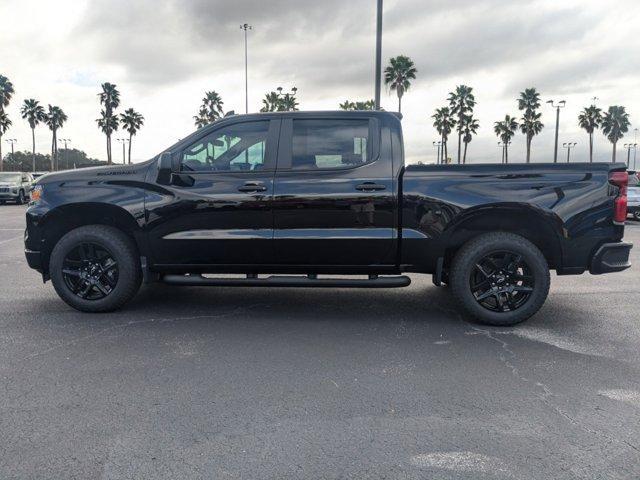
119	247
21	198
636	215
524	298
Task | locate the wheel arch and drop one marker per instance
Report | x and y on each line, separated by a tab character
65	218
542	228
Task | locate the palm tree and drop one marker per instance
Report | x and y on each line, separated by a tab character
444	123
5	123
615	124
398	76
590	120
461	102
6	92
506	129
270	102
357	105
108	122
277	102
33	113
288	103
54	119
469	129
131	121
530	125
210	110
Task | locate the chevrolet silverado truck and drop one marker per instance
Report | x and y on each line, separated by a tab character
324	199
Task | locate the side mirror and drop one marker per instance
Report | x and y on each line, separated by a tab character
165	167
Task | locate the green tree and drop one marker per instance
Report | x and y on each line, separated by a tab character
444	123
54	119
108	121
505	130
590	120
469	129
530	124
131	121
5	123
615	123
211	109
358	105
398	76
6	92
33	113
461	102
277	102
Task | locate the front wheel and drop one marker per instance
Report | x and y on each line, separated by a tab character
636	215
500	278
95	268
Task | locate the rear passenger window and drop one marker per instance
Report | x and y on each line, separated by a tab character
329	144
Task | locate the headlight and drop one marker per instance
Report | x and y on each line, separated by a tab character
36	193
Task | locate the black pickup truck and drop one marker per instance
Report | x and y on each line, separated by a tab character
314	199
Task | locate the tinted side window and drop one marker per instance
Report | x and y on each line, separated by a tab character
235	148
329	144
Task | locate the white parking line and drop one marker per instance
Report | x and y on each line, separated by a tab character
9	240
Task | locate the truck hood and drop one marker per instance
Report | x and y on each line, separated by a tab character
93	173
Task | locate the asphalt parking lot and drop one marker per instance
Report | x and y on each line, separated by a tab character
288	383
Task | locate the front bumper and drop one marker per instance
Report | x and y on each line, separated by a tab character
611	257
34	259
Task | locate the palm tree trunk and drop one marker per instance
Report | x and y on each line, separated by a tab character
33	150
464	157
528	148
0	153
591	148
459	144
108	149
53	168
130	138
399	103
506	154
446	154
613	156
440	160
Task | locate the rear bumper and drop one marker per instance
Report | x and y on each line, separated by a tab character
611	257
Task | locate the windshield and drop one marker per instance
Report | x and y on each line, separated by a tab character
10	177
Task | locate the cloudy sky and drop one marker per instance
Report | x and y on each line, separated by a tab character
163	54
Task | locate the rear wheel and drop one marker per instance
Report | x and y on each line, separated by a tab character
500	278
95	268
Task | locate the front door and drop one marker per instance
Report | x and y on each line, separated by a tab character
334	200
218	210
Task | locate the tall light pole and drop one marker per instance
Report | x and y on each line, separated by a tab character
569	146
635	140
66	152
378	54
11	141
438	145
245	27
557	106
629	147
123	141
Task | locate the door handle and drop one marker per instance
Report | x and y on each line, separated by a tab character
370	187
252	187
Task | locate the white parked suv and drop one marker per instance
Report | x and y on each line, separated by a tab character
15	187
633	196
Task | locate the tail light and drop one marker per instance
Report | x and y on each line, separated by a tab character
620	180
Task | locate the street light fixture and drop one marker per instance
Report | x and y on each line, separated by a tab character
64	141
11	141
557	106
438	145
245	27
629	147
123	141
569	146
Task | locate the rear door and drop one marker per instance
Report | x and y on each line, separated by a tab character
218	210
334	199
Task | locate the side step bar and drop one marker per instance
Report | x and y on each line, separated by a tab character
288	281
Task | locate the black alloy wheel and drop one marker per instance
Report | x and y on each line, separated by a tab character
90	271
